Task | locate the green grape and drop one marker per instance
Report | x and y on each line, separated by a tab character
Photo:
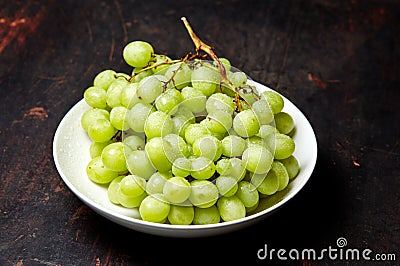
267	184
231	208
96	97
118	118
96	148
160	62
248	194
113	157
139	164
238	168
181	215
225	62
137	53
90	116
202	168
204	193
180	124
194	132
263	112
112	189
233	146
169	101
208	215
267	131
223	166
158	124
292	166
257	159
185	112
133	185
182	167
176	147
238	79
154	208
283	145
280	171
205	80
150	88
128	201
284	122
209	147
139	73
220	101
101	130
98	173
137	116
218	121
274	100
227	186
177	189
114	92
255	140
104	79
156	182
128	95
246	124
194	100
179	74
155	148
134	142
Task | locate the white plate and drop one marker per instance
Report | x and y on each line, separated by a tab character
71	155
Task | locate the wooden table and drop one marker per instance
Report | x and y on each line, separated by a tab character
338	61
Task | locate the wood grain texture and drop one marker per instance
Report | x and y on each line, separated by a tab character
336	60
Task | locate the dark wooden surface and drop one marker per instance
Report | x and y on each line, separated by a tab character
338	61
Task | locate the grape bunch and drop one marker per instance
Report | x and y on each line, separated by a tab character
186	141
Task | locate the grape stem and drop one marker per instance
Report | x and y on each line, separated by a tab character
201	46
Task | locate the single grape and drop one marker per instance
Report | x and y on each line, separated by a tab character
176	147
118	118
179	74
169	101
218	121
233	146
114	92
223	166
182	167
237	78
137	116
154	208
129	201
225	62
112	189
231	208
205	80
246	124
267	131
133	185
284	122
209	147
227	186
104	79
255	140
177	189
257	159
181	215
202	168
158	124
98	173
267	184
274	100
129	95
204	193
194	132
220	101
160	63
238	168
96	97
139	73
101	130
280	171
113	157
137	53
248	194
96	148
134	142
150	88
263	112
194	100
292	166
90	116
208	215
139	164
155	148
283	146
